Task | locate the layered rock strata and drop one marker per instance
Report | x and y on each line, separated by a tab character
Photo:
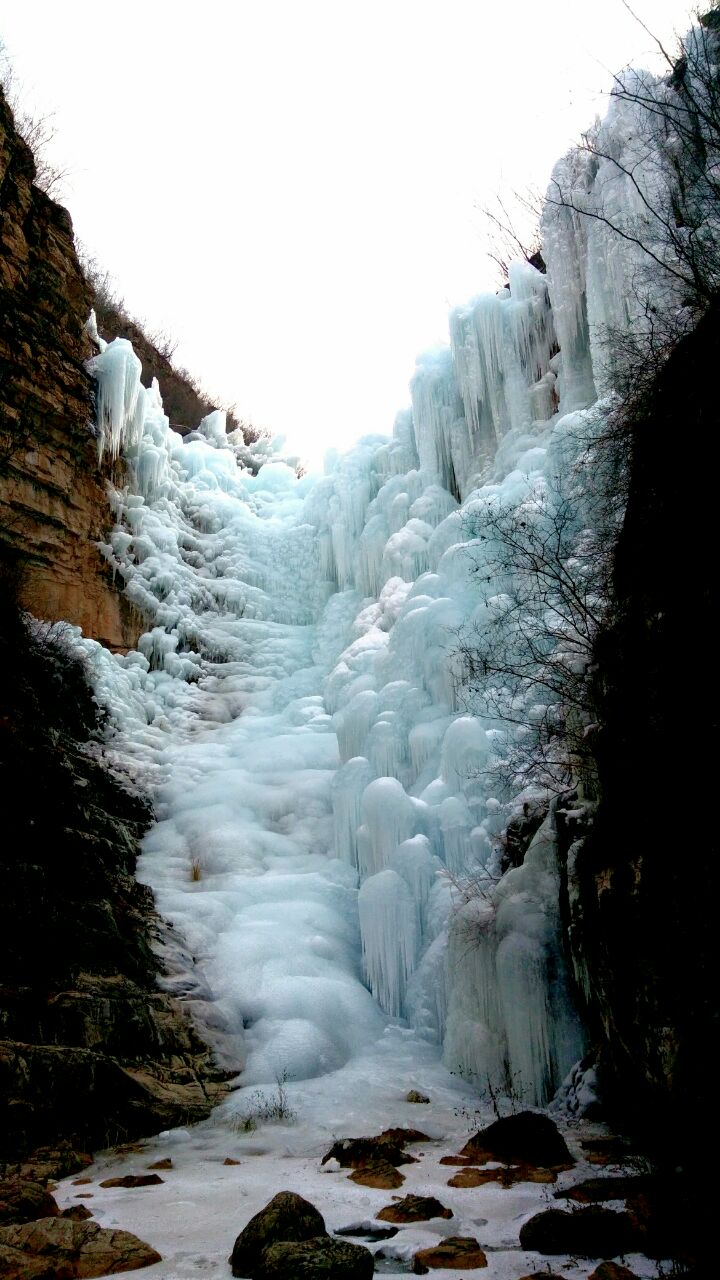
53	503
91	1051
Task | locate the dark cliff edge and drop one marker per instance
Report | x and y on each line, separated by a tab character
643	932
91	1051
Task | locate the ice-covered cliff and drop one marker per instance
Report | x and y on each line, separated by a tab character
335	777
350	687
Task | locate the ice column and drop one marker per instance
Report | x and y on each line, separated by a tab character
388	924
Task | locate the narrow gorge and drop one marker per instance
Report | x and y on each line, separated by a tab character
347	787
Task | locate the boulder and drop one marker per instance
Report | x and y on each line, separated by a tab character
414	1209
134	1180
22	1201
403	1137
455	1252
57	1161
355	1153
78	1212
414	1096
589	1233
595	1190
473	1177
507	1177
673	1217
287	1218
526	1138
378	1173
16	1265
612	1271
62	1248
320	1258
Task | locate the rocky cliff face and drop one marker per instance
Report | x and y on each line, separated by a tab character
91	1051
646	877
53	506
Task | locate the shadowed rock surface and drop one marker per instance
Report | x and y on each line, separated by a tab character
91	1051
589	1233
355	1153
595	1190
526	1138
23	1201
317	1259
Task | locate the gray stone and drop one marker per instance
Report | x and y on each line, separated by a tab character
321	1258
286	1218
62	1248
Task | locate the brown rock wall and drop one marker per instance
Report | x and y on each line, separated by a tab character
53	503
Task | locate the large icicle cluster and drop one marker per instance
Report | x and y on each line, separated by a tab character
230	570
328	802
415	811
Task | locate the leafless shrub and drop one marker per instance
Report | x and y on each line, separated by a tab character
504	242
543	571
264	1108
38	131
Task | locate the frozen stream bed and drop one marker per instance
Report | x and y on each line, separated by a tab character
194	1216
242	864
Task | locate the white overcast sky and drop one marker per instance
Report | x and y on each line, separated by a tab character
292	187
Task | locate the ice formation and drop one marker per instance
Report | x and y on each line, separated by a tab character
328	812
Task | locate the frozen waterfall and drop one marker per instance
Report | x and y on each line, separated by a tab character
329	817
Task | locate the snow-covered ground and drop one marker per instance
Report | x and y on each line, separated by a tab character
193	1218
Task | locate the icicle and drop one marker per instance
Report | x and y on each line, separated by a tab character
415	862
348	786
92	331
457	823
436	407
465	752
512	1015
120	397
389	937
352	723
389	817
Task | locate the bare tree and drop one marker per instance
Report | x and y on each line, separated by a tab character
505	243
525	662
544	567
